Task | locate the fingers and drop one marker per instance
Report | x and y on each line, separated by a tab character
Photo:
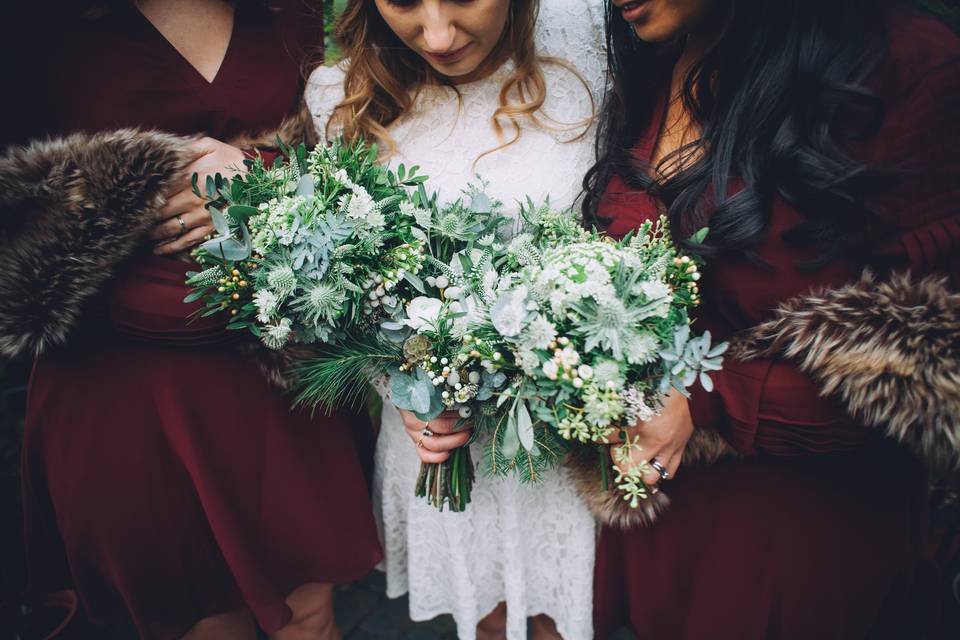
438	443
447	421
171	227
185	242
181	202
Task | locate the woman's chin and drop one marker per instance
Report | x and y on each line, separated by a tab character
454	71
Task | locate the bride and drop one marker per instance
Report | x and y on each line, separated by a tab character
465	89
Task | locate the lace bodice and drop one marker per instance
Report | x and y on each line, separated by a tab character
529	546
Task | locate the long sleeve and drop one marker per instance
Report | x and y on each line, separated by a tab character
769	405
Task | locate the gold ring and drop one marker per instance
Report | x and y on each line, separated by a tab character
183	225
420	443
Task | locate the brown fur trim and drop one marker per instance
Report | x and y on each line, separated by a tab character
294	130
889	351
71	209
608	506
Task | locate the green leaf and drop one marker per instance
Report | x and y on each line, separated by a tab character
194	296
700	236
219	222
414	280
510	444
241	212
524	427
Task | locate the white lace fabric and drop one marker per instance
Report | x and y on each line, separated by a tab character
529	546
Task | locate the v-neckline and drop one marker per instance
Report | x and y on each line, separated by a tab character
176	52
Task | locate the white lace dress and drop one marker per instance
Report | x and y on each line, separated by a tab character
529	546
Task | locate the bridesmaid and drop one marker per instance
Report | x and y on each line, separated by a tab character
816	139
163	478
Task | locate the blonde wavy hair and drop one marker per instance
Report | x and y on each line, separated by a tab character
383	75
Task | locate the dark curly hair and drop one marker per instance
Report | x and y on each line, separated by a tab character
777	95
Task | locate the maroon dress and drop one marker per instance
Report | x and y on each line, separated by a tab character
163	478
819	532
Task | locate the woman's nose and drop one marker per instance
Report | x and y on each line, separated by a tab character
439	31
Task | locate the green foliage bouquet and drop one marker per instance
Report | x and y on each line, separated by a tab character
593	332
329	249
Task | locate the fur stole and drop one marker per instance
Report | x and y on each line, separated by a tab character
73	208
889	351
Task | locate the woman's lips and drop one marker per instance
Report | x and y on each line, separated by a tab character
633	11
452	56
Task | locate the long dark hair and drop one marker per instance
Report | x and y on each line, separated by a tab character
776	96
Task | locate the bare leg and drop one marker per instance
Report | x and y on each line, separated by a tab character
544	629
312	606
234	625
494	625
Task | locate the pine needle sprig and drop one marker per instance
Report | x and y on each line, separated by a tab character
338	376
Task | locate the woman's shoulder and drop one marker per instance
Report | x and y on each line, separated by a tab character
921	51
324	91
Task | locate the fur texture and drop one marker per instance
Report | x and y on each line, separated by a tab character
609	507
71	209
889	351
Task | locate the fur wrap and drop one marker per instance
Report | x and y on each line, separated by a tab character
887	350
74	208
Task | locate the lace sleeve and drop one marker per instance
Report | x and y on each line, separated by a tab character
572	30
323	93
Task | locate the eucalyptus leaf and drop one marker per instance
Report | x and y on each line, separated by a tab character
219	222
414	280
510	445
241	212
524	426
305	187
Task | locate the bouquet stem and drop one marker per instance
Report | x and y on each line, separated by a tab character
448	483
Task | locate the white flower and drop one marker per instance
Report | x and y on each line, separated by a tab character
359	205
422	312
528	361
585	371
643	348
540	332
508	313
550	369
266	302
569	357
277	334
605	371
655	289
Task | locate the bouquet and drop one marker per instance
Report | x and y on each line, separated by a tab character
330	250
544	337
590	333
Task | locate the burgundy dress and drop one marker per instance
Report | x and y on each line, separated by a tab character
820	531
163	477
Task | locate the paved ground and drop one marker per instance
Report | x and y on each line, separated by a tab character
364	612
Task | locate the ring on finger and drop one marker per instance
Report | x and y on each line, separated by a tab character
420	443
659	468
426	433
183	225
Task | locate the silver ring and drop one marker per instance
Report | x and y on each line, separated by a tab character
183	225
426	433
659	468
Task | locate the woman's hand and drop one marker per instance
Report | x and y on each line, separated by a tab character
663	437
185	221
436	448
